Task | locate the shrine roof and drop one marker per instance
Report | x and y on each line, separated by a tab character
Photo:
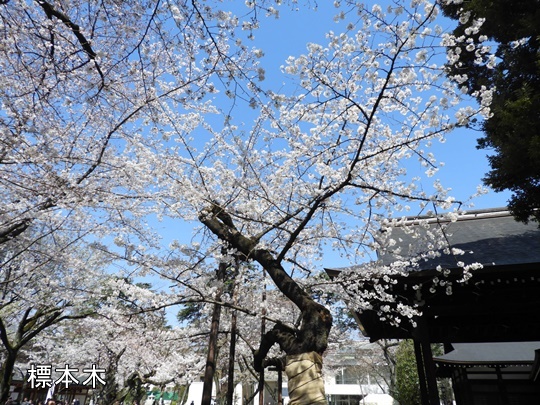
489	237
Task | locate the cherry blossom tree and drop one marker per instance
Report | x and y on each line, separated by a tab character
39	292
116	112
328	164
81	81
134	350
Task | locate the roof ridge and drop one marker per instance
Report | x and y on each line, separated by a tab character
464	216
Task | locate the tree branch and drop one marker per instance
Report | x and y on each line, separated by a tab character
50	11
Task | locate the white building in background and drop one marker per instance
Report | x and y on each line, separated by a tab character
356	375
194	395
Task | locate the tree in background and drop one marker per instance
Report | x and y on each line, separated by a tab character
500	49
132	344
324	165
39	291
80	80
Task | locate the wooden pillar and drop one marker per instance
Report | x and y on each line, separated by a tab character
425	364
263	331
232	352
503	395
280	388
279	384
232	347
421	372
212	355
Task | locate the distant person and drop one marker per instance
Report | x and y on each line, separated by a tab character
76	401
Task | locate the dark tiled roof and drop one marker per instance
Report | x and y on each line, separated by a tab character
489	237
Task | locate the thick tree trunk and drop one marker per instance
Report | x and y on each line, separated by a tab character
28	328
260	387
232	352
211	358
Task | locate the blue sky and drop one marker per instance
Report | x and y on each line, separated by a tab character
465	165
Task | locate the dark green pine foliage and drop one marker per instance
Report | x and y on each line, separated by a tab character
407	387
513	131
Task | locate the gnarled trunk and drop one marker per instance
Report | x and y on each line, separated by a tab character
303	348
